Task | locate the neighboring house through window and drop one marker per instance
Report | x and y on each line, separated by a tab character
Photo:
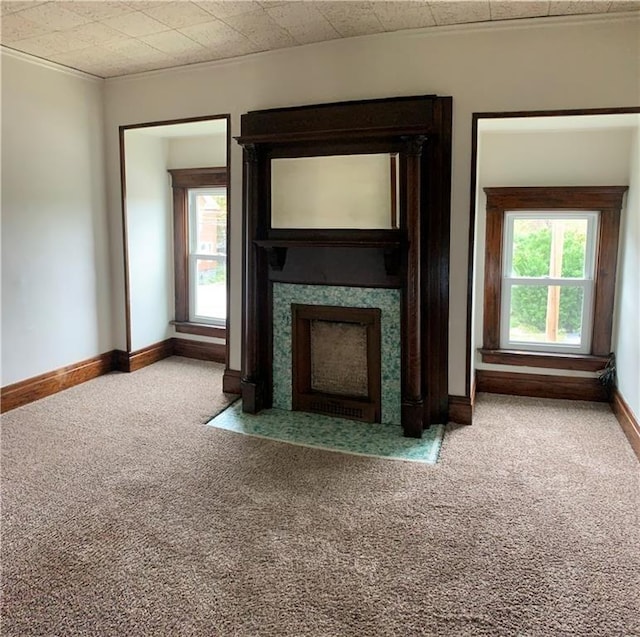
200	250
550	275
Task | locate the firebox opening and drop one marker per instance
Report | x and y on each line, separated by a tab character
336	361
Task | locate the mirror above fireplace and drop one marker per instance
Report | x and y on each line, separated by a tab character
337	191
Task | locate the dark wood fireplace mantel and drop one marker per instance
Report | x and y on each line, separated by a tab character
413	258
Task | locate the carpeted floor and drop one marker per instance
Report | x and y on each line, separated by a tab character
123	514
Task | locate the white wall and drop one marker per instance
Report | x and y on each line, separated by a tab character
576	62
198	151
55	247
542	158
149	237
627	320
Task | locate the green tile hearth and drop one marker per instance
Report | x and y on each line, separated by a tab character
333	434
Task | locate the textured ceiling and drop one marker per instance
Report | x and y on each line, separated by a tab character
109	39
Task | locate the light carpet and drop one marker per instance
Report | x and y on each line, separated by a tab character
125	515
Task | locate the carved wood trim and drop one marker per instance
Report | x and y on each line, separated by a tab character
555	197
181	180
436	228
540	385
204	351
180	254
231	381
606	199
492	277
199	177
411	350
360	118
627	420
580	362
148	355
200	329
37	387
423	238
460	410
393	166
125	237
31	389
605	287
255	280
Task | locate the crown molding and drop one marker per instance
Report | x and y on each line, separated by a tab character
47	64
516	24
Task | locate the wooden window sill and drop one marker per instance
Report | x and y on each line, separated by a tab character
580	362
200	329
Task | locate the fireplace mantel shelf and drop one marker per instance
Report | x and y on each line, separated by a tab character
277	248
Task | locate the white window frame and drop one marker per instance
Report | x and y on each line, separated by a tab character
587	283
194	256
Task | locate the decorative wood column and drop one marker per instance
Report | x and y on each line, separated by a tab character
411	356
250	382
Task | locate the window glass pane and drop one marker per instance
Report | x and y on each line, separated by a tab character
574	248
210	222
553	247
531	247
211	288
546	314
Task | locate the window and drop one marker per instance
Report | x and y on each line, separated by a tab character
547	282
550	275
200	250
207	255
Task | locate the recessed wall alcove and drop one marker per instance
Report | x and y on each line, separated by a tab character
309	240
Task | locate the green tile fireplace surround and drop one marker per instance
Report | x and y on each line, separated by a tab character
387	300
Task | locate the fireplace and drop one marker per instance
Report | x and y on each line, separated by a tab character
395	265
336	361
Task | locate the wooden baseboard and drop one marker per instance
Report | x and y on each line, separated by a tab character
120	361
198	349
627	420
170	347
151	354
460	410
231	381
540	385
31	389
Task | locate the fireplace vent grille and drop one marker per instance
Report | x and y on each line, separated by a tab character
334	408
